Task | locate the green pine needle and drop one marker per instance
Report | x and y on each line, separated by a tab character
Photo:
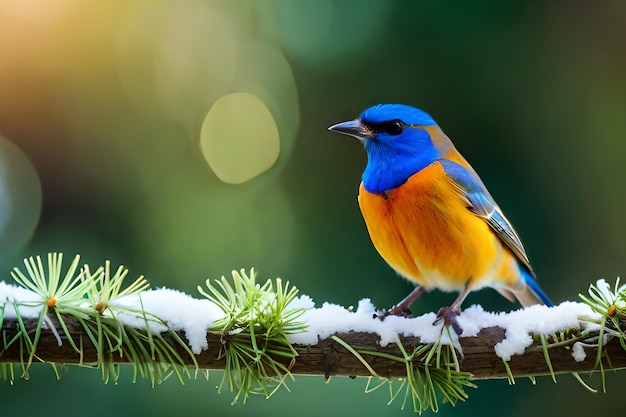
87	297
254	332
611	305
432	374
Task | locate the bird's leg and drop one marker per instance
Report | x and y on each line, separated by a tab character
449	314
402	308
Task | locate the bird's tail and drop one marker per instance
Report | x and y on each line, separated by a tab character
532	292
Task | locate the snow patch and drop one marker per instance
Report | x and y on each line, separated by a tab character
10	294
519	325
578	352
179	310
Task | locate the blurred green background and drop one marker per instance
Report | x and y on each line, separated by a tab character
188	138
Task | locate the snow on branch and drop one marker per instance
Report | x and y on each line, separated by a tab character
262	334
329	357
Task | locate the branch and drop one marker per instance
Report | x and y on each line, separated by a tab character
328	357
260	334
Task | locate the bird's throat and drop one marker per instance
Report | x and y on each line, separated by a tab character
389	170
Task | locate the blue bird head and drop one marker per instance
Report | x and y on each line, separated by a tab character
397	142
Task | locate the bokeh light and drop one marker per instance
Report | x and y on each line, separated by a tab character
20	198
239	138
263	70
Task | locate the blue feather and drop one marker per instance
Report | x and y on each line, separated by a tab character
385	112
534	286
393	159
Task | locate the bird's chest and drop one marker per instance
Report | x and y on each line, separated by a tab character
424	211
423	228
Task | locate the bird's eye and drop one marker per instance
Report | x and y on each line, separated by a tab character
394	127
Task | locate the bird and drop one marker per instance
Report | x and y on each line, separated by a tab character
430	216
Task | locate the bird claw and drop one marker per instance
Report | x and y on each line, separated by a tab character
402	308
449	317
397	310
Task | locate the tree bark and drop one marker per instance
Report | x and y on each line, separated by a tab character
328	357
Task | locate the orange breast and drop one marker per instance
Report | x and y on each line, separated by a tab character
424	231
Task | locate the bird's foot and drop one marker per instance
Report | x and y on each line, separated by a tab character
449	317
402	308
397	310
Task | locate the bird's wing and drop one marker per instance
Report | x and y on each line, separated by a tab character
480	202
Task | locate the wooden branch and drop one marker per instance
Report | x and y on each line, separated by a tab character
329	358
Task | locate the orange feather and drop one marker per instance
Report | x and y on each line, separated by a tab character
424	230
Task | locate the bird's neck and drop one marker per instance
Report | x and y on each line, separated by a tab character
388	168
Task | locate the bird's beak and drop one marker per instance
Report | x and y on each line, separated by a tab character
352	128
